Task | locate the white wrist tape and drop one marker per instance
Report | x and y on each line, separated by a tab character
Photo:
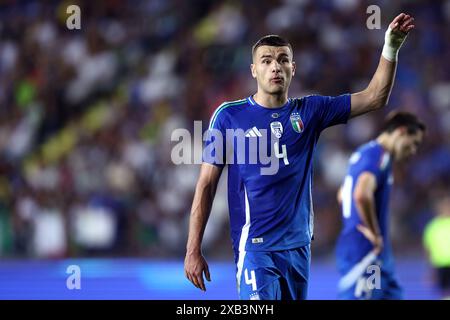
392	43
390	53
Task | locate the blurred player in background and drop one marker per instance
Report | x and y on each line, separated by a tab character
436	240
271	216
364	198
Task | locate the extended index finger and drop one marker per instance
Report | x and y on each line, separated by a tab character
200	282
190	278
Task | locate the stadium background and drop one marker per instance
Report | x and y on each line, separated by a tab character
86	118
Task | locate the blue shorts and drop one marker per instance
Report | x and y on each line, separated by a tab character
366	288
274	275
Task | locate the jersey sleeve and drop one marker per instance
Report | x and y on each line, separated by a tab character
331	111
372	161
215	143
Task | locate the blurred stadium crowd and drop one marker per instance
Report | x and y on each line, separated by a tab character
86	115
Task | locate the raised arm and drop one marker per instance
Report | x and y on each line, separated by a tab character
194	263
377	93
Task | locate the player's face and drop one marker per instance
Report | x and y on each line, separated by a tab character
273	69
407	144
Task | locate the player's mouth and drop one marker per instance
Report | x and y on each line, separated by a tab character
277	80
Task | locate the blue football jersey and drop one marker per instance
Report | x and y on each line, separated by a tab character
274	211
352	246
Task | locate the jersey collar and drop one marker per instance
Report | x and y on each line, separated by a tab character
254	103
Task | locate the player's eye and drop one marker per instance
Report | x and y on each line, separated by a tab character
266	61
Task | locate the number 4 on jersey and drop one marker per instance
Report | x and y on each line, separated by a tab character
283	154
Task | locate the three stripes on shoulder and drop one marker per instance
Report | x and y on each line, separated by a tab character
253	132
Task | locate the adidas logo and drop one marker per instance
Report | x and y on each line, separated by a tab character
253	132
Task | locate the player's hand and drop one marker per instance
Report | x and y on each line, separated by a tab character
375	239
402	24
194	267
396	34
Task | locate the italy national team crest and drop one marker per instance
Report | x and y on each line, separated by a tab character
297	123
277	128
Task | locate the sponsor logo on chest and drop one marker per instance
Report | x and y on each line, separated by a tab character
277	128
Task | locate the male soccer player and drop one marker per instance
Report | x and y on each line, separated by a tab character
271	215
363	249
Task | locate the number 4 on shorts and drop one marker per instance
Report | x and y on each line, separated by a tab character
251	280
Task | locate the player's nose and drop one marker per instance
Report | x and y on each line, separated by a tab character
276	67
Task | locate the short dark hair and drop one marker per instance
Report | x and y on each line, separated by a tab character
272	40
397	119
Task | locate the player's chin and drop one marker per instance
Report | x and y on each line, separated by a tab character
277	88
277	92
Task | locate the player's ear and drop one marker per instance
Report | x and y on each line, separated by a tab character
294	67
253	70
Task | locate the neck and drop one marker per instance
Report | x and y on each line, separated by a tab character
386	141
270	100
